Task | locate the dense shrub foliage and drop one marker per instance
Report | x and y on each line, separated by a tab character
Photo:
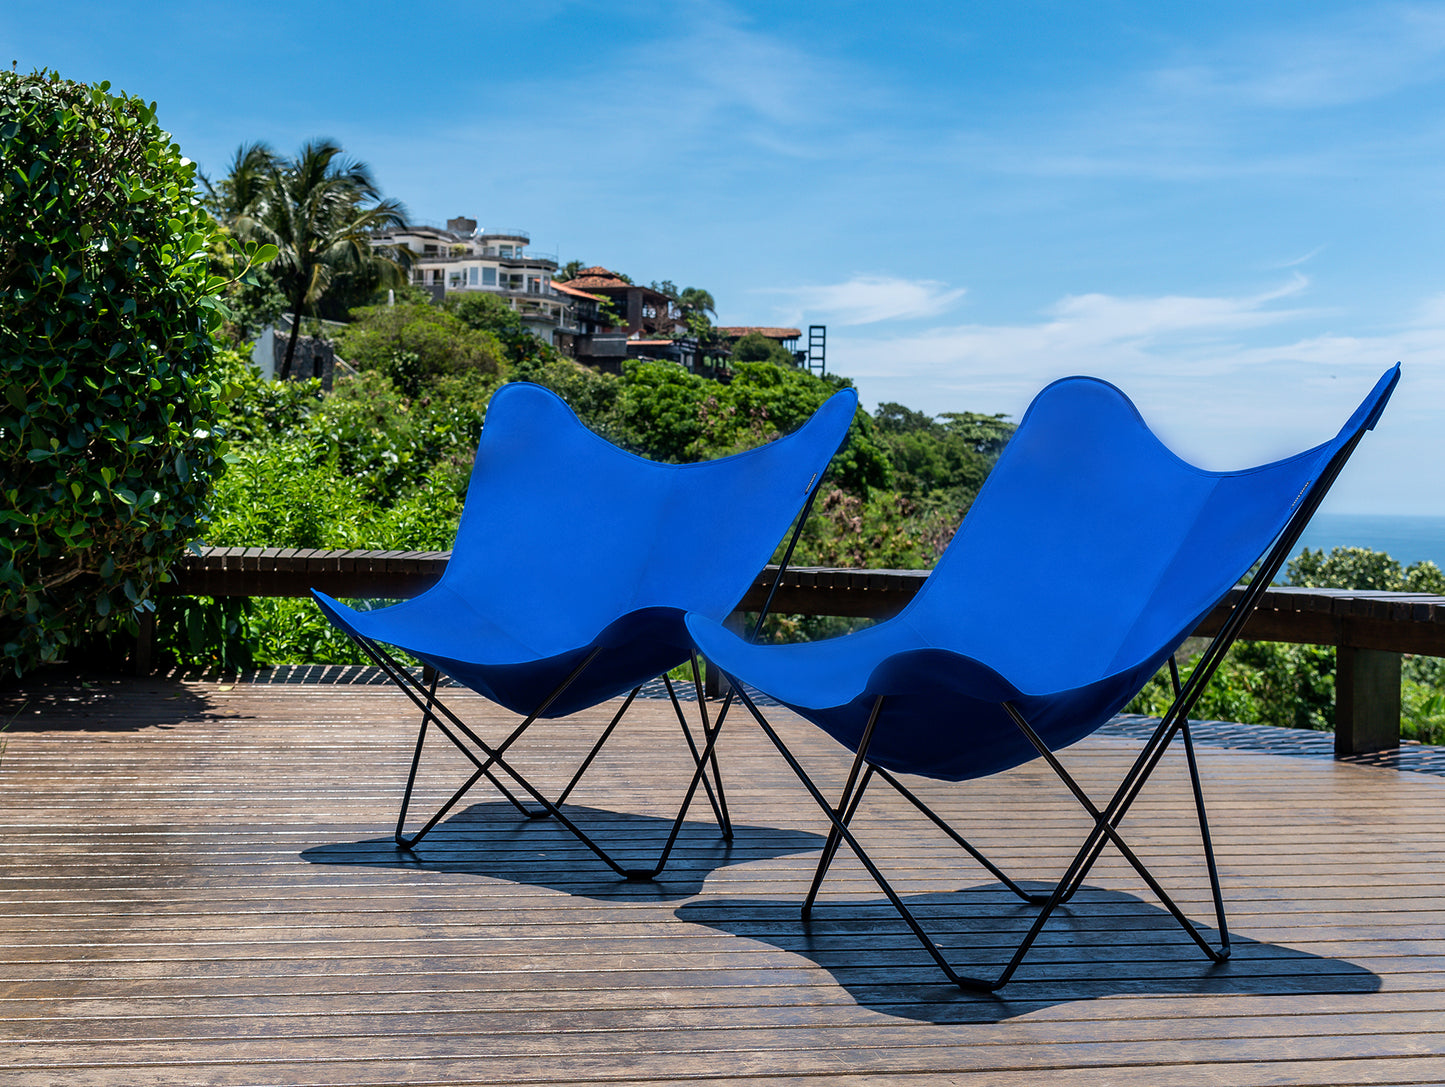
414	344
106	314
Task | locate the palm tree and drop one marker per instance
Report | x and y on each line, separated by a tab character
694	304
236	193
696	300
320	211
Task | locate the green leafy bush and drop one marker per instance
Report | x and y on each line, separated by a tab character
415	344
488	312
1262	683
755	347
1362	568
107	307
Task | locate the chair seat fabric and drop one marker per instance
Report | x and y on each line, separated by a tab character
569	545
1090	554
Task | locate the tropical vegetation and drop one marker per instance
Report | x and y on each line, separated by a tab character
1276	683
108	306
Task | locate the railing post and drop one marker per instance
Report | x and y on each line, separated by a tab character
143	657
1367	700
714	685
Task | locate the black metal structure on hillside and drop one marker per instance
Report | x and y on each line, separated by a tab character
816	359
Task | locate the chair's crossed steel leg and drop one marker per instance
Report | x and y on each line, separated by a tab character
1175	720
436	712
847	805
606	734
1105	826
428	716
717	799
1104	830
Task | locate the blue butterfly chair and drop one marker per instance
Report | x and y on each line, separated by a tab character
989	666
573	567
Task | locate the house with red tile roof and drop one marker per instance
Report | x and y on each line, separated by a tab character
643	310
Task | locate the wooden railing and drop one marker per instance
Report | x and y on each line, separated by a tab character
1369	630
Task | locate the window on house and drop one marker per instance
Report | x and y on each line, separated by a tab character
472	276
489	277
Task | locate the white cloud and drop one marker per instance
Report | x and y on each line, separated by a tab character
1124	333
1243	105
867	300
1305	259
1219	378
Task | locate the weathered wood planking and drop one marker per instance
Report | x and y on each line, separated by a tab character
199	888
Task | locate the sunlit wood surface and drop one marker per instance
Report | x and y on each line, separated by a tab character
199	886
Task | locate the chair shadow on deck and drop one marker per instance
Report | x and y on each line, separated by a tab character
490	839
1117	944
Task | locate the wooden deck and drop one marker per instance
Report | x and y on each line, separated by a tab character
199	888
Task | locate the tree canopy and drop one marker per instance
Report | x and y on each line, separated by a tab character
415	344
320	210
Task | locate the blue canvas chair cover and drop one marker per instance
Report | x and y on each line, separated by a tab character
1090	554
574	565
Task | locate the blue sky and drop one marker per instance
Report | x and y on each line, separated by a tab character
1235	211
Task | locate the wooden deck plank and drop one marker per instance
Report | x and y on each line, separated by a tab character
199	888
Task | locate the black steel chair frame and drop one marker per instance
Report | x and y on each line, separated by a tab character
487	758
1106	821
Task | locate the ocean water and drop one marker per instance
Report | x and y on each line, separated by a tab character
1407	539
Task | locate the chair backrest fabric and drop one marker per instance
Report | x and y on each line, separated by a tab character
563	532
1092	548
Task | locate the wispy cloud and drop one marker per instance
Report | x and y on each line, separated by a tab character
1297	261
866	300
1221	378
1241	105
706	78
1356	57
1121	332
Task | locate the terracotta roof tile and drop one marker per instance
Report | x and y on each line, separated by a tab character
739	331
568	288
597	276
